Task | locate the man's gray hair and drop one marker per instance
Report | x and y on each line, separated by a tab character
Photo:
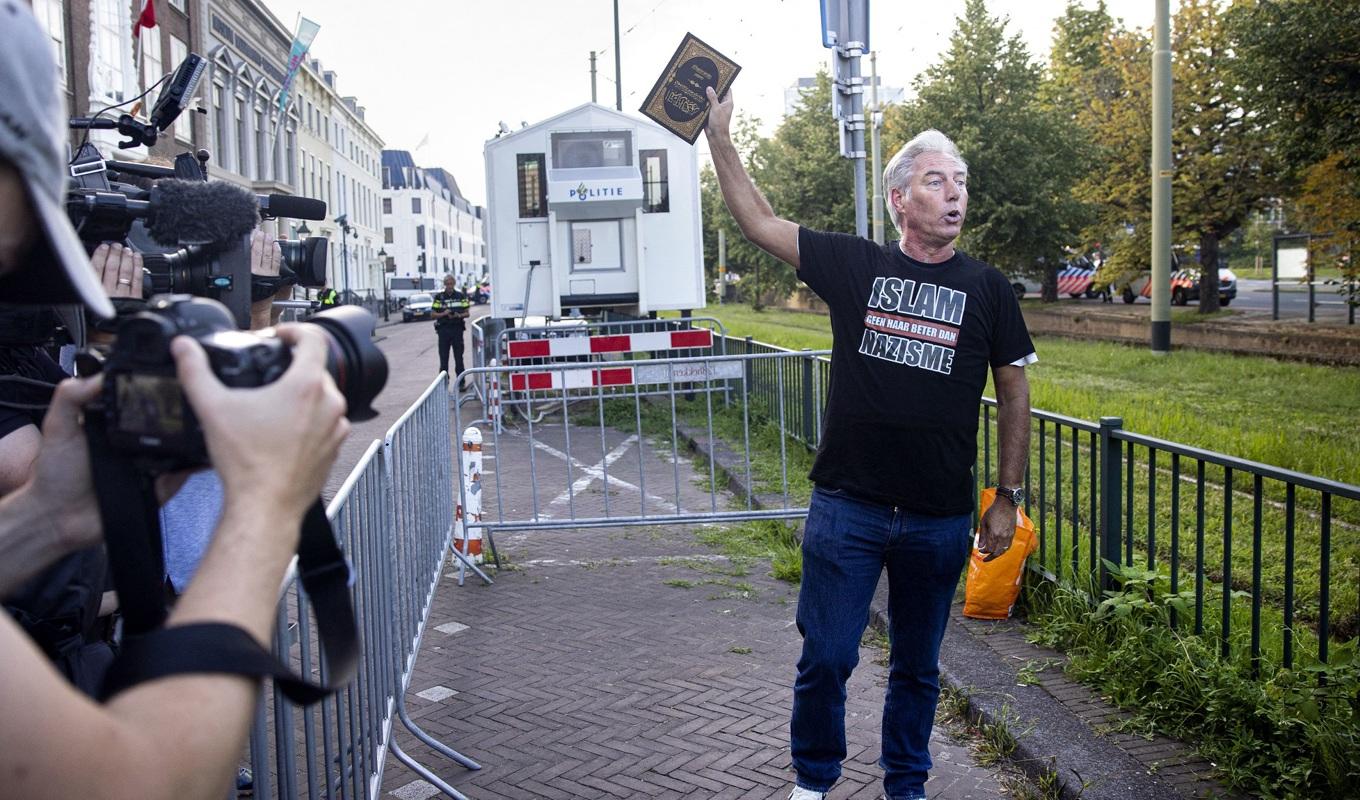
897	175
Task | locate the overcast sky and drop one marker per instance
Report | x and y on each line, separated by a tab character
453	69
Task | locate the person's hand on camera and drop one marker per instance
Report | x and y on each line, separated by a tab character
272	445
60	482
265	253
266	258
119	269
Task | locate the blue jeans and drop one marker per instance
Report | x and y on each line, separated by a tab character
846	544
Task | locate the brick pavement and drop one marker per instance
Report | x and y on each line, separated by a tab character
628	663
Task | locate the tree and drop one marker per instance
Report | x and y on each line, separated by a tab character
1330	207
985	95
1301	64
1118	122
1220	151
801	173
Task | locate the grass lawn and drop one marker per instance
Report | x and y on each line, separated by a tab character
1287	414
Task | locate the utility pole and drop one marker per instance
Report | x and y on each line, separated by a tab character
846	29
1161	180
593	97
722	265
876	120
618	62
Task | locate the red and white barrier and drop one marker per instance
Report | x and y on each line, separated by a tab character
643	374
494	399
623	343
571	379
467	540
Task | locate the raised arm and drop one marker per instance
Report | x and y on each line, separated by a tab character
752	211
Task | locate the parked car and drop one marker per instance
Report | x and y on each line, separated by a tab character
1186	289
418	306
1184	286
1023	286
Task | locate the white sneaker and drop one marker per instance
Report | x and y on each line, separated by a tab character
799	793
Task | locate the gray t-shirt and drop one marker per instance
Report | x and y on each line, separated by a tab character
187	524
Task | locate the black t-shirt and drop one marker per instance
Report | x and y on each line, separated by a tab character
33	363
912	345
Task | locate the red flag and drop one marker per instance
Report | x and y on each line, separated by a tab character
146	19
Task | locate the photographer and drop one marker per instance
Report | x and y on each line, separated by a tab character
273	445
67	608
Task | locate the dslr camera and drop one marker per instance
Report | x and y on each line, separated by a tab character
143	411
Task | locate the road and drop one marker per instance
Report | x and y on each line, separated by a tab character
1254	297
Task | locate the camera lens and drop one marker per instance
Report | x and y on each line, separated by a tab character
357	365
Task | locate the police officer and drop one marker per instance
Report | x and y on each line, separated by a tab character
450	309
328	297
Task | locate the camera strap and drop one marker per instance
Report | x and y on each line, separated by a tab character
128	509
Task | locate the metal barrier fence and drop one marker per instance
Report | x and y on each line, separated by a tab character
1261	559
394	531
490	339
593	428
1248	549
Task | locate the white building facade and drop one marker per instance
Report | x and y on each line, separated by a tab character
322	147
429	228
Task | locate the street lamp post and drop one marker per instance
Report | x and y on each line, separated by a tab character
346	230
302	232
382	254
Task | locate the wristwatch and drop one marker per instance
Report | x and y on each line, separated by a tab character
1016	496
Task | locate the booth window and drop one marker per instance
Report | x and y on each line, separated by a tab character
656	195
533	189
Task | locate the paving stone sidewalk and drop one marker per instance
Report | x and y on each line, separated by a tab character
630	663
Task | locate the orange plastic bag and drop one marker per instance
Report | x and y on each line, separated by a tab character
992	586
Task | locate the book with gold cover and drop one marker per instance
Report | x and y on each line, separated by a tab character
677	102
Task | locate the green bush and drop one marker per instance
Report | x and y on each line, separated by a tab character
1291	734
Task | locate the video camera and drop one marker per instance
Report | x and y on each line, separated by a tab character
193	234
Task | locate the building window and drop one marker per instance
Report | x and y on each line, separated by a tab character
262	159
533	189
178	52
152	68
420	236
242	137
291	152
387	235
415	205
221	124
656	195
387	205
111	51
53	19
179	4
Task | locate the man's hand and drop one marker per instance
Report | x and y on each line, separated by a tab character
265	253
119	269
719	115
272	445
996	529
60	483
265	259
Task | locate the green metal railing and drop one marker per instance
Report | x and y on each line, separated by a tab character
1264	560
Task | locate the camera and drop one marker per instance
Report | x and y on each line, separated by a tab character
144	412
193	234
